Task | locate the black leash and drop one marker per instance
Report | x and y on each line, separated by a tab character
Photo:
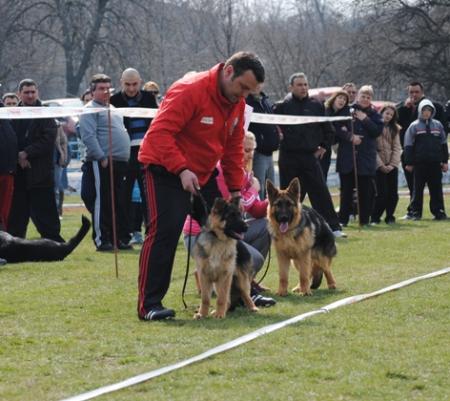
186	276
267	267
188	254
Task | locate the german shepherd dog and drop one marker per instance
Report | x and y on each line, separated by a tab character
221	259
302	235
16	250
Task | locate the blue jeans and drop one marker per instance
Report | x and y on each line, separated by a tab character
263	169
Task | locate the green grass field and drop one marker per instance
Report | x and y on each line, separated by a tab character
71	326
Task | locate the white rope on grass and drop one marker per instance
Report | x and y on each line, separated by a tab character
249	337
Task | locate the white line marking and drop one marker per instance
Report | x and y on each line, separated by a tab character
249	337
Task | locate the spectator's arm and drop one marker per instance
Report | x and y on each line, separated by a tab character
88	133
396	152
410	137
374	125
444	145
45	142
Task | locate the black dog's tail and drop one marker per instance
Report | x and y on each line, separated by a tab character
70	245
17	250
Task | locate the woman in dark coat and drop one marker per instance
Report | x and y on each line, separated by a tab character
367	126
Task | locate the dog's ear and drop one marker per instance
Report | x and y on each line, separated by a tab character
293	189
219	205
272	192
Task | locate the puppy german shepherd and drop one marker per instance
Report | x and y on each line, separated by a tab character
221	259
16	250
300	234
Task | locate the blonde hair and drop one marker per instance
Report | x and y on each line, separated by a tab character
366	89
249	137
151	86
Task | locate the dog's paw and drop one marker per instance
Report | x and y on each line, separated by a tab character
198	316
282	292
296	288
217	315
254	309
332	286
306	293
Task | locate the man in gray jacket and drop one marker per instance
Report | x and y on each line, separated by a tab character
96	184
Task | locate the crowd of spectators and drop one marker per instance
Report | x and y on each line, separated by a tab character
146	164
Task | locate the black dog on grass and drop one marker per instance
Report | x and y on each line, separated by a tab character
16	250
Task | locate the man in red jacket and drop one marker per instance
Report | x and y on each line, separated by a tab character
200	122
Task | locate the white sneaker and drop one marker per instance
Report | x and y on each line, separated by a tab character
136	238
339	234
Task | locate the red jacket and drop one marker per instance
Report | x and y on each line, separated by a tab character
196	126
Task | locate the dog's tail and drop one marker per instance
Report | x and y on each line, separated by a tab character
70	245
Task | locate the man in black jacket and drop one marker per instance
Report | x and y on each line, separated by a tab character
302	147
8	163
407	113
34	183
267	141
132	96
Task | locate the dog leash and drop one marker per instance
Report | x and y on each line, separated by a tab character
188	254
186	276
267	267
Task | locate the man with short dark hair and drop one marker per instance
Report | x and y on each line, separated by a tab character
407	113
267	140
96	181
200	121
34	181
303	146
132	96
10	99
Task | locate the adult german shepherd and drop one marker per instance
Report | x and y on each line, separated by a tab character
222	260
16	250
302	235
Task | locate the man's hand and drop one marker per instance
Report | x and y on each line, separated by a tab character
104	163
444	167
320	152
61	161
409	168
22	160
189	181
408	102
383	169
389	168
360	115
356	140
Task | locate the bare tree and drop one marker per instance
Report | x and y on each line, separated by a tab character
415	37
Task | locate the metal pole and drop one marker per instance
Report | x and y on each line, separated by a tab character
113	198
355	170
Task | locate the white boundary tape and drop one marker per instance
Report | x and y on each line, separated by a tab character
249	337
139	112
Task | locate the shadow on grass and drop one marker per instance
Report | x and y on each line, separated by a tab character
236	321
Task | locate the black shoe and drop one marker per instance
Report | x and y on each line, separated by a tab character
264	302
389	220
441	216
124	246
159	313
2	262
105	247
